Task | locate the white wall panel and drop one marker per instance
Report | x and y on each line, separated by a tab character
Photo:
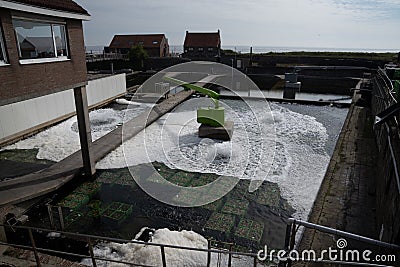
6	115
21	116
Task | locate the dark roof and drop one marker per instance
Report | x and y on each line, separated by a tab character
146	40
202	39
61	5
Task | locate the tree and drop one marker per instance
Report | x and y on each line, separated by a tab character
137	55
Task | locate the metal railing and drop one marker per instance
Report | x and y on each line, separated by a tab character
92	240
389	132
293	226
105	56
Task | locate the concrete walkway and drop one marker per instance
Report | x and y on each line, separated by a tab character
42	182
346	199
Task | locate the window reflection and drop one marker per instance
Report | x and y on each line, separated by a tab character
60	40
38	39
2	49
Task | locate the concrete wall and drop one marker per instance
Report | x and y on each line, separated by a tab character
24	117
106	88
274	60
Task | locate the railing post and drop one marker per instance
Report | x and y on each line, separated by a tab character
91	252
50	211
164	262
287	242
209	254
35	252
60	214
255	261
287	236
230	256
292	241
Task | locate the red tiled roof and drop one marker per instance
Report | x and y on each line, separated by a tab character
202	39
61	5
127	41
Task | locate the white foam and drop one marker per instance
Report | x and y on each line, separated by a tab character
300	160
151	255
123	101
62	140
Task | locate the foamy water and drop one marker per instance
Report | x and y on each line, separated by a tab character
300	161
151	255
292	155
62	140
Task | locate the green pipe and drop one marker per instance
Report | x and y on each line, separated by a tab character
213	95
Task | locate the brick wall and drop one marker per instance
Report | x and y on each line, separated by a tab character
20	82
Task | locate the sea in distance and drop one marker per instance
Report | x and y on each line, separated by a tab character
178	49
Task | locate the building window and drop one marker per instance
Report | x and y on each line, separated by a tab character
155	42
39	39
200	48
3	58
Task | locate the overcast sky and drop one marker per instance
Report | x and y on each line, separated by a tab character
373	24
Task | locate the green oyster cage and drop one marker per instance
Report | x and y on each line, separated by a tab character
181	178
94	208
72	217
236	206
126	178
89	189
80	196
107	177
220	222
213	206
249	230
74	201
117	211
203	179
269	197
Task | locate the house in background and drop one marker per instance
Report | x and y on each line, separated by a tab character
156	45
202	46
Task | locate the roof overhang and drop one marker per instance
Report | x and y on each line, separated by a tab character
43	11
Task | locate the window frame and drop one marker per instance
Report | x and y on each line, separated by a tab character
52	23
4	61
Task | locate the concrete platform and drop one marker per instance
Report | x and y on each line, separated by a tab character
220	133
